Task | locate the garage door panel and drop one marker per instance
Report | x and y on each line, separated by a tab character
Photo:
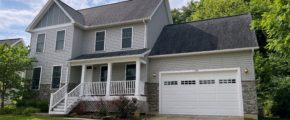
200	93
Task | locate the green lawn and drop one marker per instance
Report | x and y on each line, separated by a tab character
19	117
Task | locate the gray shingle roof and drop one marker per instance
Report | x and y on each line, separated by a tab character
113	13
111	54
206	35
10	41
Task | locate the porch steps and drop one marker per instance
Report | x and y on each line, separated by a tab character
59	109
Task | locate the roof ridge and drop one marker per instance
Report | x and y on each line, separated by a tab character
69	6
210	19
10	39
105	5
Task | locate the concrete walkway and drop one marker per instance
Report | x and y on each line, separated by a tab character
171	117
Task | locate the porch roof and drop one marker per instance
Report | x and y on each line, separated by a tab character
111	54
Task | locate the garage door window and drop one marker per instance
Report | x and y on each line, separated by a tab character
170	82
188	82
206	82
227	81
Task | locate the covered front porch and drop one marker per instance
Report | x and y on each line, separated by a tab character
102	76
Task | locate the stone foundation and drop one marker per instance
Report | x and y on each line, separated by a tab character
152	93
45	91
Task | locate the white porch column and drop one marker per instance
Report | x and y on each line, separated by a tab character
109	77
138	76
84	68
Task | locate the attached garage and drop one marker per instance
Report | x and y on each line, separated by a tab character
201	92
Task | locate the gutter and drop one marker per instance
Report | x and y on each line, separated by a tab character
204	52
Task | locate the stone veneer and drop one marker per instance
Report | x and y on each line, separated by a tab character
45	91
249	97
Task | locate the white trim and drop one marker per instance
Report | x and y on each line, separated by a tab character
40	15
105	36
101	72
40	77
51	27
131	63
239	80
203	52
132	40
61	70
167	5
145	34
43	49
68	67
155	10
63	48
73	21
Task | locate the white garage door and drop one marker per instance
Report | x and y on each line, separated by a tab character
201	93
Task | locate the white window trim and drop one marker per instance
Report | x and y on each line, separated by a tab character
39	77
101	72
132	42
51	79
126	70
95	36
63	40
43	43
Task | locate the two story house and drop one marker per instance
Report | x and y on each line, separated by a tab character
132	48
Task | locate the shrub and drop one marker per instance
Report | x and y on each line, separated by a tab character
125	107
29	110
41	104
103	111
8	109
281	104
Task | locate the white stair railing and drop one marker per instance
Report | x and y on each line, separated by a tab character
94	88
74	96
57	97
122	87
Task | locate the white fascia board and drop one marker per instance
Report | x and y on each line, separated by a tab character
204	52
73	21
39	15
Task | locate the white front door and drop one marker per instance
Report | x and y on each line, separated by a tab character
201	93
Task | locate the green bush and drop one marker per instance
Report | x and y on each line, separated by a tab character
281	104
30	110
8	109
41	104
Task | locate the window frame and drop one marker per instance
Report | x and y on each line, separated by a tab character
100	79
61	71
95	41
132	37
126	65
43	49
40	77
63	40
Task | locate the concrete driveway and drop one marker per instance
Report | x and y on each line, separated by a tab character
180	117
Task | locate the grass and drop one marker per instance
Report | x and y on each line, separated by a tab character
21	117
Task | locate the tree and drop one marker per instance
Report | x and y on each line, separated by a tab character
13	60
183	15
218	8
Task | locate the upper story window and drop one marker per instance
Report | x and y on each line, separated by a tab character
60	40
100	41
56	75
36	78
40	43
127	34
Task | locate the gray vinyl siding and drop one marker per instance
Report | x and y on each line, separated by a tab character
155	26
77	42
113	38
53	16
207	61
50	56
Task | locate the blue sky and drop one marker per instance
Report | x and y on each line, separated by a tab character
16	15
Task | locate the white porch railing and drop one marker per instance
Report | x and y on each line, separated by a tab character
94	88
122	87
57	97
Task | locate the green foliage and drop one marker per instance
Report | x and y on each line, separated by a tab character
125	107
218	8
40	104
8	109
30	110
13	61
183	14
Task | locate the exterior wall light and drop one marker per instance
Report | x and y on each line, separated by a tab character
246	70
154	75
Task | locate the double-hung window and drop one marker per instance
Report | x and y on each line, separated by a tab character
100	41
56	75
36	78
131	72
127	34
60	40
40	43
